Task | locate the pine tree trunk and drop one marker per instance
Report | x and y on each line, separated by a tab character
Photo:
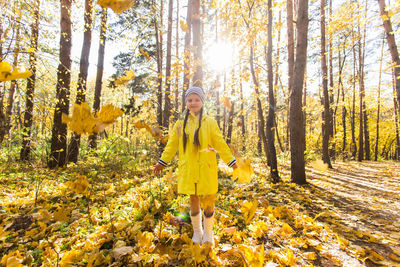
231	112
396	119
379	102
186	56
271	108
197	45
167	95
290	38
159	55
30	86
58	154
297	138
73	148
99	73
261	122
176	107
392	46
361	100
326	114
353	114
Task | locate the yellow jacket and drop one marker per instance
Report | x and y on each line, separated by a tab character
197	168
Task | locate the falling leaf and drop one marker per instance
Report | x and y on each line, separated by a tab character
118	6
17	73
144	53
108	114
184	26
249	209
227	103
129	75
243	172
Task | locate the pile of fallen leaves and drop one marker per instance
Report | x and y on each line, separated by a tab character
88	215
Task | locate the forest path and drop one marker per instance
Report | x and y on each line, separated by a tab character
361	202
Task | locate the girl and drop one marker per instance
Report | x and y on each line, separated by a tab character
197	138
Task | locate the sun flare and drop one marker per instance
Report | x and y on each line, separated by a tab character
219	56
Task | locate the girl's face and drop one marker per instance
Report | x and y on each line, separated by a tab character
194	103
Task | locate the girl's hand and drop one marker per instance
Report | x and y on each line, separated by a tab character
234	166
158	168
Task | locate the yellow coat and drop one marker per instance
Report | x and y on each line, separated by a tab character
197	168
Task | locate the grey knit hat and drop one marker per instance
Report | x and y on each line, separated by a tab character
195	90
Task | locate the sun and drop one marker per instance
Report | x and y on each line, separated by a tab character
219	56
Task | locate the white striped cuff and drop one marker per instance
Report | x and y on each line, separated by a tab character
161	162
233	162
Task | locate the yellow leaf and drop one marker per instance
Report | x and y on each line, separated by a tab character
79	186
184	26
227	103
61	215
197	253
109	114
129	75
118	6
244	171
7	75
249	209
394	257
13	259
71	258
144	53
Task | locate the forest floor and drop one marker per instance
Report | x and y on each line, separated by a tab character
106	212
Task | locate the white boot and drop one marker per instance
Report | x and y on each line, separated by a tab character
208	229
197	228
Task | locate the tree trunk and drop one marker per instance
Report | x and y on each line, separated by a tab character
290	37
176	107
271	98
261	122
297	138
59	132
11	92
167	95
365	114
396	119
379	102
353	114
341	88
159	55
197	45
186	56
326	127
99	73
73	148
30	86
361	96
392	46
